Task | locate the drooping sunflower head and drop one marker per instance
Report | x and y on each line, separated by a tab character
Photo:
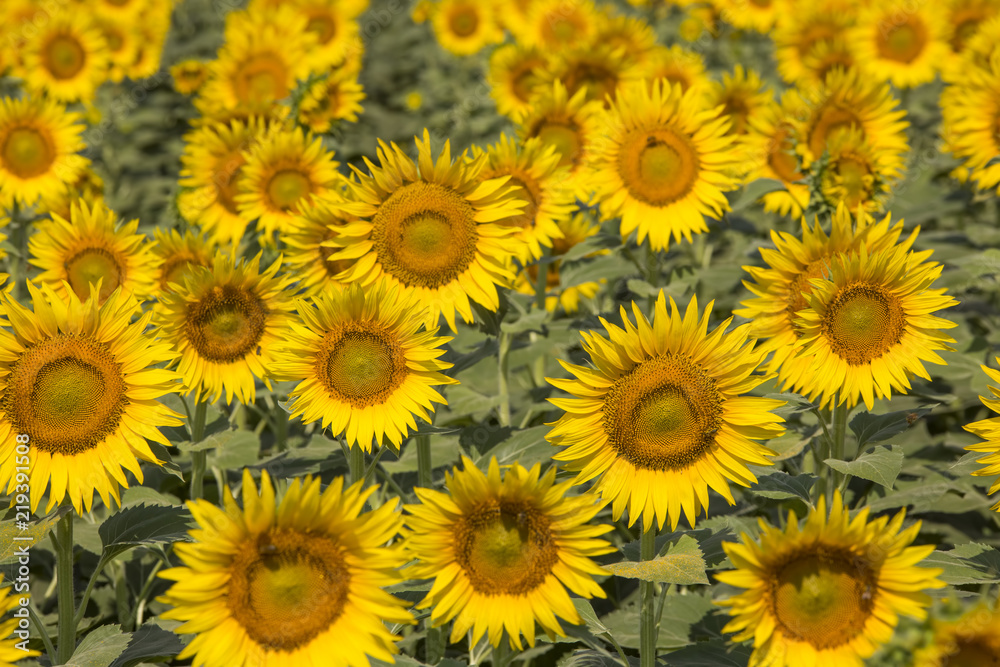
66	58
77	380
970	641
870	325
224	325
661	162
534	171
337	97
90	248
364	367
782	289
189	75
899	43
298	579
464	27
829	591
39	141
662	415
503	550
513	77
432	227
284	169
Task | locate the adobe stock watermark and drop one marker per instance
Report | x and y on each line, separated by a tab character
22	507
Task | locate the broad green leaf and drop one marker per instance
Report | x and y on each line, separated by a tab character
142	524
715	653
532	321
680	612
13	536
881	465
586	611
527	447
242	449
460	362
753	191
869	428
592	244
779	485
682	564
100	647
959	569
150	642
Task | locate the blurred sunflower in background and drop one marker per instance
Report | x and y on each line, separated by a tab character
297	580
854	174
663	415
970	110
513	75
573	230
503	550
9	650
66	58
88	187
178	254
465	27
335	98
189	75
828	592
308	247
363	366
742	96
970	641
79	380
989	430
769	150
901	42
678	65
555	25
812	26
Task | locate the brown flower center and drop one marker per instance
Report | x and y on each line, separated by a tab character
658	167
863	322
361	364
226	323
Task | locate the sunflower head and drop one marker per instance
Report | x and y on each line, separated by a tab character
574	230
903	44
179	254
464	27
66	58
337	97
289	579
970	641
662	415
851	173
189	75
513	77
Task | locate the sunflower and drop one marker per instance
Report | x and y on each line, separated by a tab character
824	57
970	641
78	381
964	18
90	247
783	288
465	27
662	162
337	97
829	592
533	169
989	430
970	111
678	65
224	323
436	231
757	15
151	33
39	141
284	169
802	31
9	651
211	168
336	30
362	366
189	75
742	96
573	231
980	49
124	9
848	100
600	69
853	173
769	149
295	582
566	122
634	36
662	415
178	254
123	47
903	45
555	25
88	187
869	325
503	551
66	57
513	76
308	246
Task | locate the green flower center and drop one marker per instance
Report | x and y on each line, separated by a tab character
287	187
863	322
89	266
362	365
27	153
64	57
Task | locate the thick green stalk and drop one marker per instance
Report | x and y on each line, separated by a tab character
839	445
65	592
199	459
356	461
50	650
425	469
647	596
503	411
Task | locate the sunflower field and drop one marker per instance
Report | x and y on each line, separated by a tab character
528	333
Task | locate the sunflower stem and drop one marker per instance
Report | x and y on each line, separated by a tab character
838	443
199	459
65	593
503	410
425	469
647	593
356	461
50	649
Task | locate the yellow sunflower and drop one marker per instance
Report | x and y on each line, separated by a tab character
513	77
989	430
464	27
123	47
970	110
824	57
901	43
829	592
533	168
661	162
503	550
742	96
678	65
189	75
970	641
39	141
178	254
308	246
151	33
211	168
980	48
66	57
224	323
782	288
9	651
662	415
600	69
336	30
757	15
869	325
284	169
800	32
850	100
363	367
555	25
769	149
88	187
573	230
337	97
633	35
854	173
292	582
91	247
433	227
566	122
78	381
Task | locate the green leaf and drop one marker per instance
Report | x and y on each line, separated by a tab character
682	564
527	447
100	647
460	362
749	195
715	653
242	449
966	564
779	485
12	537
586	612
142	524
532	321
150	642
881	465
161	453
595	243
869	428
